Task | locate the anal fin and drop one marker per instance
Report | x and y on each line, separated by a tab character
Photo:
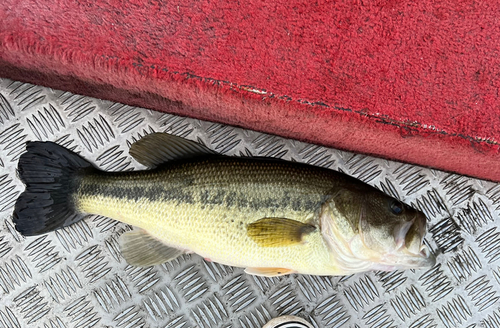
141	249
269	272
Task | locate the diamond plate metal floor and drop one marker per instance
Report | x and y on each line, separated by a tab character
76	277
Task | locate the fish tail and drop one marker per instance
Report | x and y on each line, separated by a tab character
51	174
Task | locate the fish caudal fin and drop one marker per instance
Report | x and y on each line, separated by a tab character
50	173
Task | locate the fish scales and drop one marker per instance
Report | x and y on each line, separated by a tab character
207	204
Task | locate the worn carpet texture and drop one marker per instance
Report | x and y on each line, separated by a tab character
415	81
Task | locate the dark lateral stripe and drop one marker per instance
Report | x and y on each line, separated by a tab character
203	197
135	193
244	183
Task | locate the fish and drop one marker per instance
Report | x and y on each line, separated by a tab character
270	216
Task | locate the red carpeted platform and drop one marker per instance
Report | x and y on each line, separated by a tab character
412	81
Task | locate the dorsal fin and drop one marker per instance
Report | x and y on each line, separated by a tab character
157	148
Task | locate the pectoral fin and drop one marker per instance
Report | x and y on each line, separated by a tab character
141	249
277	232
268	272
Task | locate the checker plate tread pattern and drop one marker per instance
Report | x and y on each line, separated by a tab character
76	277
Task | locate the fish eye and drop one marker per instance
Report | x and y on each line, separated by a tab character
396	207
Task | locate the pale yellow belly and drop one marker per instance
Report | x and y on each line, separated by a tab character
217	233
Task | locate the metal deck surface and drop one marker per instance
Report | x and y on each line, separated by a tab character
76	277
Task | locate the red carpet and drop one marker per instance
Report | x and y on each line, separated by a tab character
412	81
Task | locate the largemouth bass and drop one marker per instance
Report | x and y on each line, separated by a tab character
272	217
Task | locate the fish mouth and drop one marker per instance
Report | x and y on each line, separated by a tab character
404	259
411	249
423	259
428	259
